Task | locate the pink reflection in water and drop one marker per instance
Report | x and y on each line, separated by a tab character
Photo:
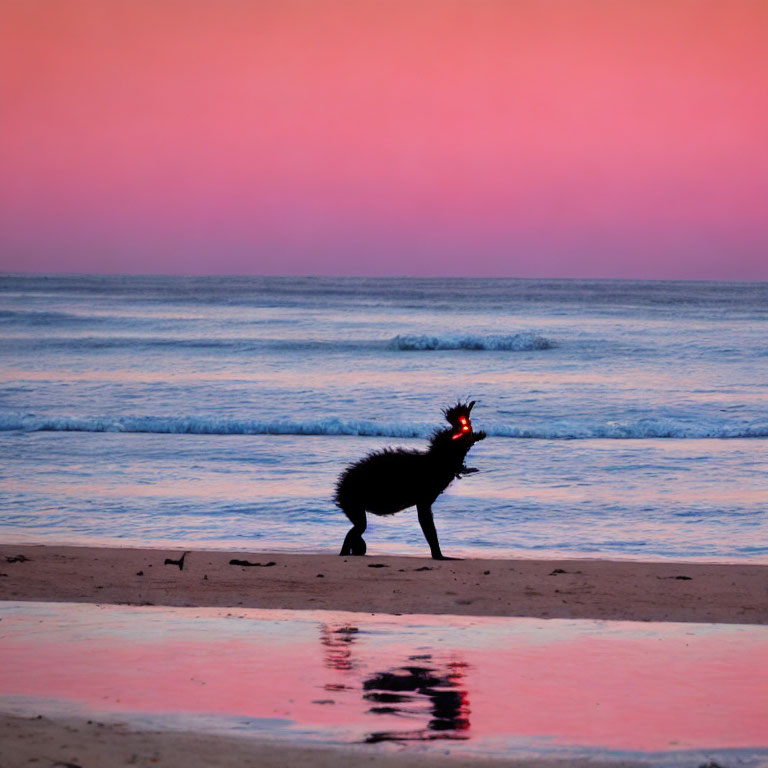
355	677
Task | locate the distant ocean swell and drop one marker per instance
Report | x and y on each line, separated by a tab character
561	430
526	341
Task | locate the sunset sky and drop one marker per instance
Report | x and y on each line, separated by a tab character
551	138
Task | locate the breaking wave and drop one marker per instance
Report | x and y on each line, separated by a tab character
197	425
518	342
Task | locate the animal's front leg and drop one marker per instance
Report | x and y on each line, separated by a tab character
430	534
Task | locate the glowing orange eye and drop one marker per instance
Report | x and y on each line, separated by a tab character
464	427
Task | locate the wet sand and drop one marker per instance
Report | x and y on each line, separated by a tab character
573	589
97	744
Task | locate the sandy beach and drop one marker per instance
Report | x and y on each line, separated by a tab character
42	741
584	589
564	589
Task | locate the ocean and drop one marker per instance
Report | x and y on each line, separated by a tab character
625	419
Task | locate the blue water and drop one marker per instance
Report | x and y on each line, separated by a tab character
625	419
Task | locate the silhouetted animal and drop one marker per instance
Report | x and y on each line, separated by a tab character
387	481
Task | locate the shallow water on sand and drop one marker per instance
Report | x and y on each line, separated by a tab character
668	694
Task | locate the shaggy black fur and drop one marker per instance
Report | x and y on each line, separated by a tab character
387	481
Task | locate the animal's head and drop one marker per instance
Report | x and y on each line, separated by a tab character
458	418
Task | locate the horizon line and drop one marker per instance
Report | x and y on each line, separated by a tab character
320	275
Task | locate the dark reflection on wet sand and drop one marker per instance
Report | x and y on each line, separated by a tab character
423	689
406	690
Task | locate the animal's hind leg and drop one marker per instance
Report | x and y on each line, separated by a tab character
354	544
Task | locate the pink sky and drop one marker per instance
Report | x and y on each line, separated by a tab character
575	138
